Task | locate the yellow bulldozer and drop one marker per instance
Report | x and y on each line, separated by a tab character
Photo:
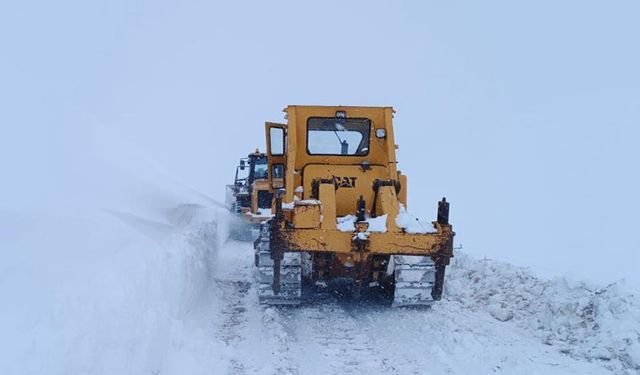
249	197
340	211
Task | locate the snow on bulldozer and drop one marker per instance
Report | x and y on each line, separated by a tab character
249	197
340	212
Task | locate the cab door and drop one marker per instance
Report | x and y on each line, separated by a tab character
276	135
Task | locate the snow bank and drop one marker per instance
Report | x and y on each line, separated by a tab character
578	318
100	280
102	293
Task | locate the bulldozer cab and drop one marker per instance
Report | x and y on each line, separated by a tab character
250	196
250	187
251	168
351	146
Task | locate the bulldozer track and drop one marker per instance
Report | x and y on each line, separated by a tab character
415	277
290	274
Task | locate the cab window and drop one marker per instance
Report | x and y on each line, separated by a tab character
260	168
338	136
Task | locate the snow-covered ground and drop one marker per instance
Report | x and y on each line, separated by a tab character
113	292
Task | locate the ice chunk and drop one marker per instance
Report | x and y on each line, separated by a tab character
500	312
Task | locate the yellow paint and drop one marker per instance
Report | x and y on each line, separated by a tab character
328	197
306	216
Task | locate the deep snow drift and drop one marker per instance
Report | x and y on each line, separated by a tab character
104	293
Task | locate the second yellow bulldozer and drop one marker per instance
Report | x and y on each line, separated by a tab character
340	211
249	198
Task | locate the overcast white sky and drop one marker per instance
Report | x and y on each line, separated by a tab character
525	115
